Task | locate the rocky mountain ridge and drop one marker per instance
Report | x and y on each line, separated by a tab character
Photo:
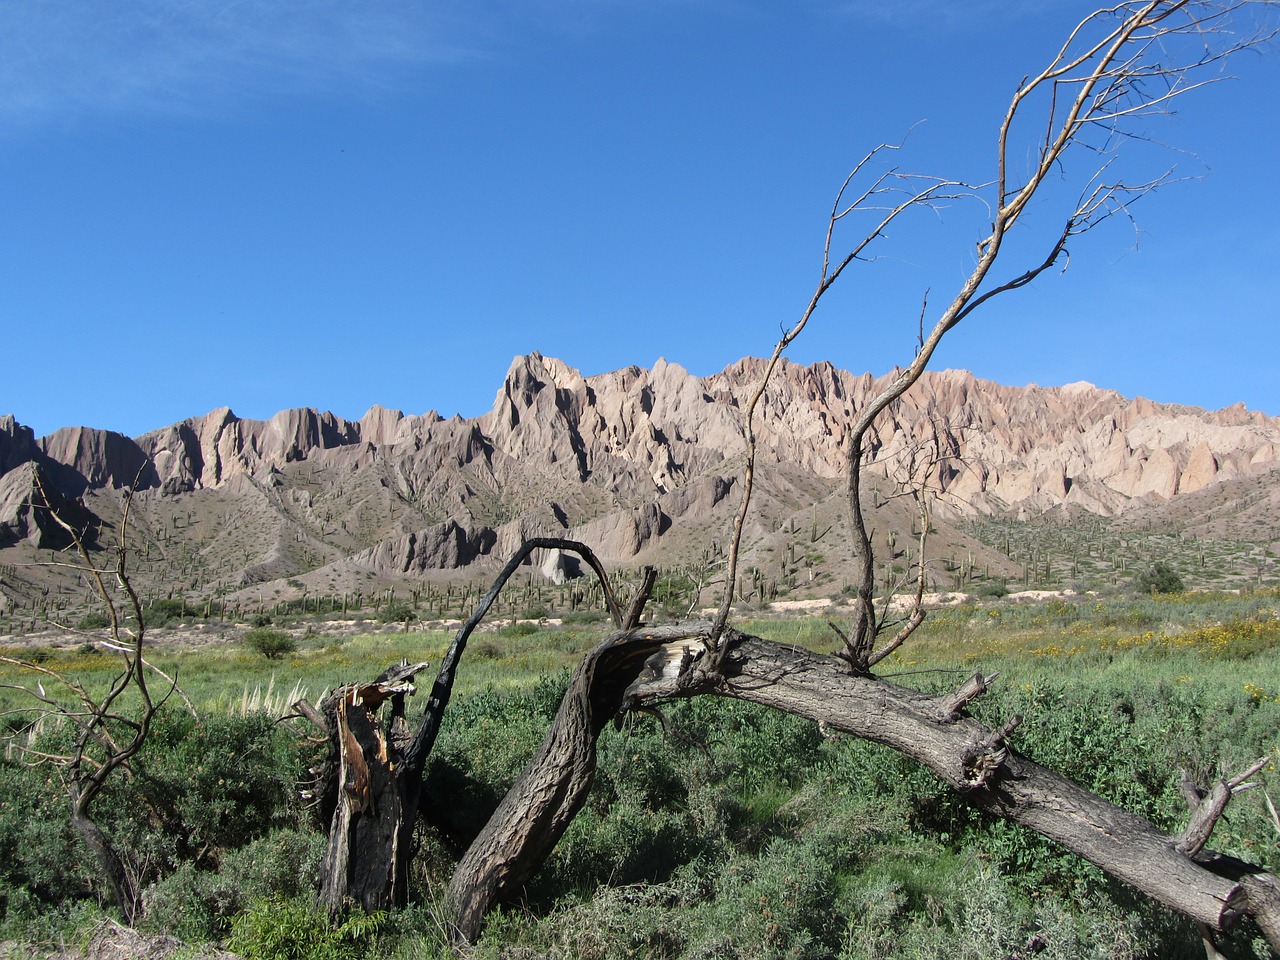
641	464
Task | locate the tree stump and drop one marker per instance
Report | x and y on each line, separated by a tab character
366	793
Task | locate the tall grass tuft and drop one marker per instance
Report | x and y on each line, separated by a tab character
273	702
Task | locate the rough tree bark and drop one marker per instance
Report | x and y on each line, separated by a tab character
371	783
365	801
1121	64
632	668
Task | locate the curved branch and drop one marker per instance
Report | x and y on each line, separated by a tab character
631	669
978	762
415	757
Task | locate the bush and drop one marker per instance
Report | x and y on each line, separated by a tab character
520	629
272	644
41	860
200	792
159	612
396	612
584	616
1159	578
93	620
226	780
298	929
198	905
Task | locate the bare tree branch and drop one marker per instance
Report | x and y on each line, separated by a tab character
115	734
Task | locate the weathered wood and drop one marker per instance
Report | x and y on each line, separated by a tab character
553	787
990	774
373	807
632	668
364	861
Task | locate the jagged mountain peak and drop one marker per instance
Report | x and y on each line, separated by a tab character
619	456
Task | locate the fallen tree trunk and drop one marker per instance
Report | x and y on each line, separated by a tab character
632	668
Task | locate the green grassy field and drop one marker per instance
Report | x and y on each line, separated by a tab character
739	833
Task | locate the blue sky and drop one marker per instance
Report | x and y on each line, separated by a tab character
265	205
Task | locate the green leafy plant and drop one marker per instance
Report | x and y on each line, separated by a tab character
199	905
520	629
396	611
1159	578
297	929
160	612
272	644
93	620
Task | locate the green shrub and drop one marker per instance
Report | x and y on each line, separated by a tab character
198	792
396	611
1159	578
26	918
40	857
199	905
296	928
674	592
584	616
93	620
520	629
226	781
272	644
160	612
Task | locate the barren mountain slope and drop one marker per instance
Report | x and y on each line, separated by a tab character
643	465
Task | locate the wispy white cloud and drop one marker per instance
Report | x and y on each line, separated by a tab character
63	58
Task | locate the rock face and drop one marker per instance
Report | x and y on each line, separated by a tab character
27	496
17	444
442	547
622	461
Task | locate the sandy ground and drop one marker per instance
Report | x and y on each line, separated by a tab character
200	634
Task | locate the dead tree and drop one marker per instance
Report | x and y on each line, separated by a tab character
371	782
646	665
109	729
1120	65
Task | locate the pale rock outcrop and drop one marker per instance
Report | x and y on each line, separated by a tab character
621	535
633	430
543	521
615	457
102	458
1200	471
1158	475
560	567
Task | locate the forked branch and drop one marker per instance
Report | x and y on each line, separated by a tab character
108	736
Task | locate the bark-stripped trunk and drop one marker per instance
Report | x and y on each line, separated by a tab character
640	666
367	859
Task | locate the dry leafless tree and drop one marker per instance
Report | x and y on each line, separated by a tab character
108	729
1119	68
